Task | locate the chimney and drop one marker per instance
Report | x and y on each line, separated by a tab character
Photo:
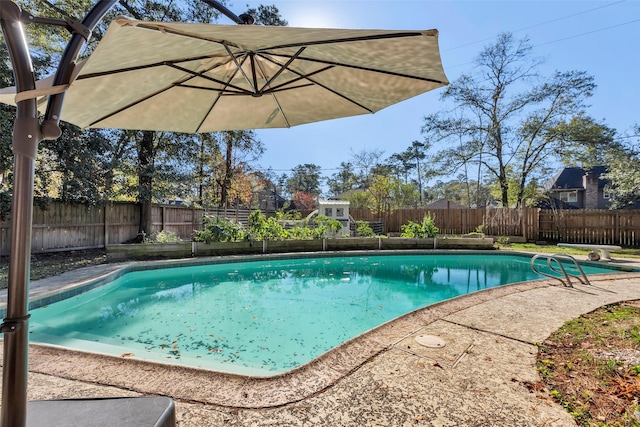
590	181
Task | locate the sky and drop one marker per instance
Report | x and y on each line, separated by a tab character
601	38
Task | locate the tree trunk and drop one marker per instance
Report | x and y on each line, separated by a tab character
226	182
201	173
146	166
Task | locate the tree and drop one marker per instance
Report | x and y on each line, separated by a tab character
304	200
360	200
242	141
267	15
304	178
461	191
365	161
503	113
624	172
401	165
342	181
412	159
389	193
583	142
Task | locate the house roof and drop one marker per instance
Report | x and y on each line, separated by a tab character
333	203
444	204
571	178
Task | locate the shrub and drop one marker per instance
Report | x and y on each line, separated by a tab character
301	233
320	231
274	230
261	228
413	230
324	225
166	237
363	229
216	229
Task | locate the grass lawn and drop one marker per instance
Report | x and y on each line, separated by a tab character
553	249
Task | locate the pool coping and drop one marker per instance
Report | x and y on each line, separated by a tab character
240	391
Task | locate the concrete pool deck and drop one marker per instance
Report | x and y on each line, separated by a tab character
484	375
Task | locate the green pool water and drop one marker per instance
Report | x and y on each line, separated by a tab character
263	317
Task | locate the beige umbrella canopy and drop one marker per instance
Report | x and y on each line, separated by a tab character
188	78
200	77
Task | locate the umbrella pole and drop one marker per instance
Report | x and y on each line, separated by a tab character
26	137
27	134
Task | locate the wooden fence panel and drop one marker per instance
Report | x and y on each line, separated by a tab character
628	227
607	227
64	226
449	221
238	215
122	222
176	219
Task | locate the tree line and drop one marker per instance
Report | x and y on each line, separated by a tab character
501	129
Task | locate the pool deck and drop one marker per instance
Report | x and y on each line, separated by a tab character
484	376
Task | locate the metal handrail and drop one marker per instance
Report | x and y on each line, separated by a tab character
554	262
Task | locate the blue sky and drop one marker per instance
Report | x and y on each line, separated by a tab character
601	38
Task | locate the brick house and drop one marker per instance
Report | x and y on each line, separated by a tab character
582	189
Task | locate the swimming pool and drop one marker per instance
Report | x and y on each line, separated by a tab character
263	317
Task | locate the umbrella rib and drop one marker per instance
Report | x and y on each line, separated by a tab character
308	77
204	117
239	66
283	67
355	67
348	40
269	92
253	70
202	75
131	104
222	91
166	29
281	86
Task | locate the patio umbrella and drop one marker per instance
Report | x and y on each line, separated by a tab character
200	77
189	78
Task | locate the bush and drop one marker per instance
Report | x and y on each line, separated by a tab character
166	237
261	228
216	229
363	229
324	225
413	230
301	233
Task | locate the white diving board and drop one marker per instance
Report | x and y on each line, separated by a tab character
604	250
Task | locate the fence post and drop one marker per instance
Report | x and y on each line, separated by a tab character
106	225
616	229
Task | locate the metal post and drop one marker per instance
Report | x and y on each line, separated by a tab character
26	137
243	19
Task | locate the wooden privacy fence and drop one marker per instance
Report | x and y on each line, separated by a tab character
75	227
62	226
494	221
603	227
610	227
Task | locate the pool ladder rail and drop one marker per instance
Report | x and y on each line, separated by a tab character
554	262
